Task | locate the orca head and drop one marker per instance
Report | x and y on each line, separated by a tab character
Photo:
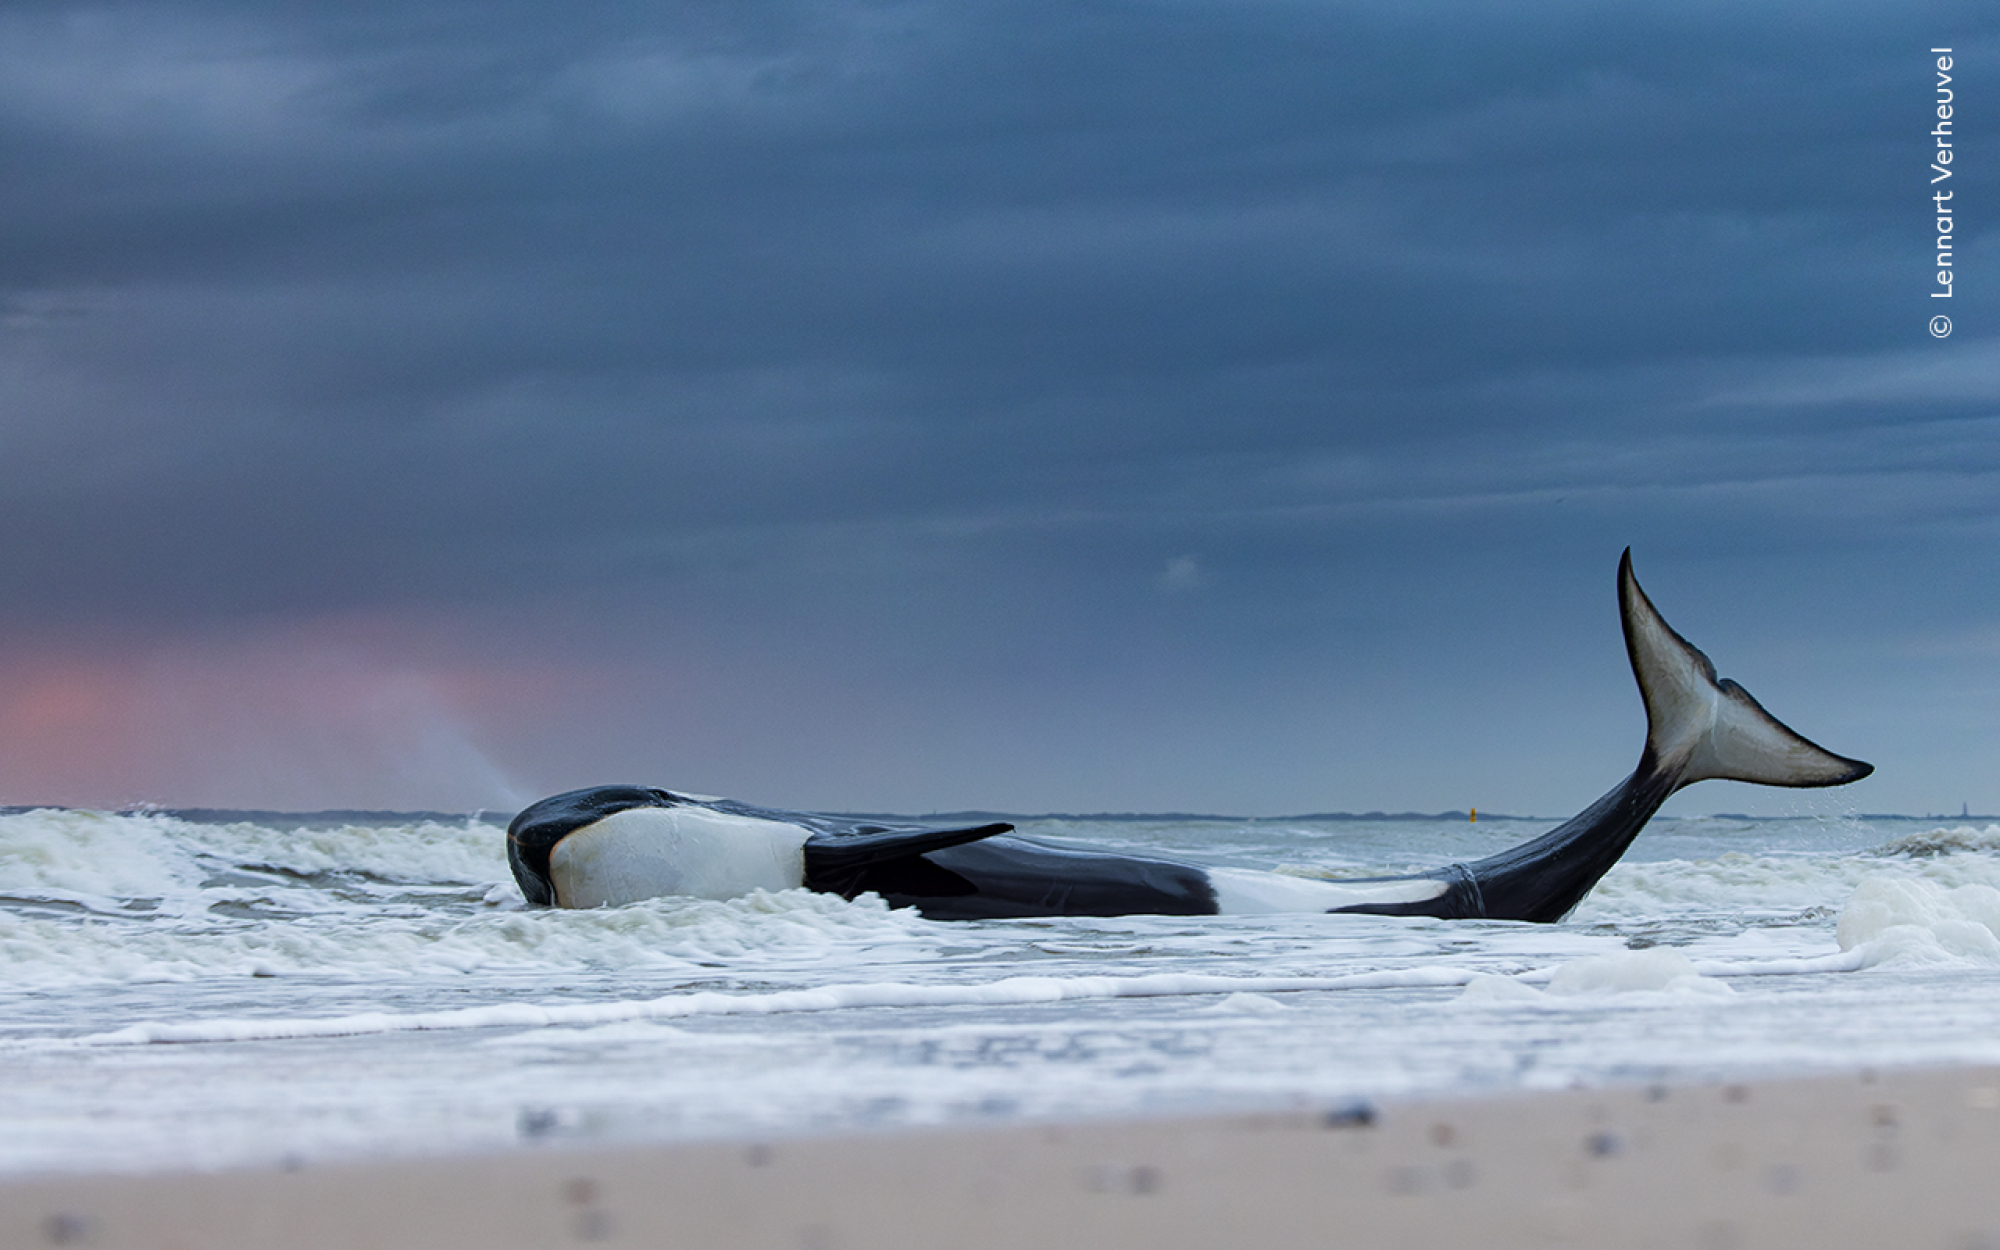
533	835
618	844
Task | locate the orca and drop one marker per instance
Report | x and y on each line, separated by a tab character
618	844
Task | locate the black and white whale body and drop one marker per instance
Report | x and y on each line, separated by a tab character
619	844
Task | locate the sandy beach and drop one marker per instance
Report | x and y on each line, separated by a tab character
1900	1158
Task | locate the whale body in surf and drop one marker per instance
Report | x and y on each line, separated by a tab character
619	844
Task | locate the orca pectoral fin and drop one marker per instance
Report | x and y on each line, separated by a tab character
836	861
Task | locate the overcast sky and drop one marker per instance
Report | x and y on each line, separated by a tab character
1232	407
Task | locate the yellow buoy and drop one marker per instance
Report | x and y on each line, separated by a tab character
1475	816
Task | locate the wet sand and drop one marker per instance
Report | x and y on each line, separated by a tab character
1905	1159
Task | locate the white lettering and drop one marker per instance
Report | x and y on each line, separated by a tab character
1942	159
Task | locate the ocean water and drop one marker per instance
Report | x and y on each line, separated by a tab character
180	992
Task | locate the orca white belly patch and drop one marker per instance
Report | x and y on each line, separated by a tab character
695	852
1245	892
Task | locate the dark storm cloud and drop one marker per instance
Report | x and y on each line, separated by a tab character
964	322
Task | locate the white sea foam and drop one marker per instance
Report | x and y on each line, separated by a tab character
1248	1004
1660	971
93	856
1917	919
153	855
407	941
301	965
1652	973
1013	991
1959	839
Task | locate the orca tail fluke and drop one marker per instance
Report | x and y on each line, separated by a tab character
1701	727
1698	727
